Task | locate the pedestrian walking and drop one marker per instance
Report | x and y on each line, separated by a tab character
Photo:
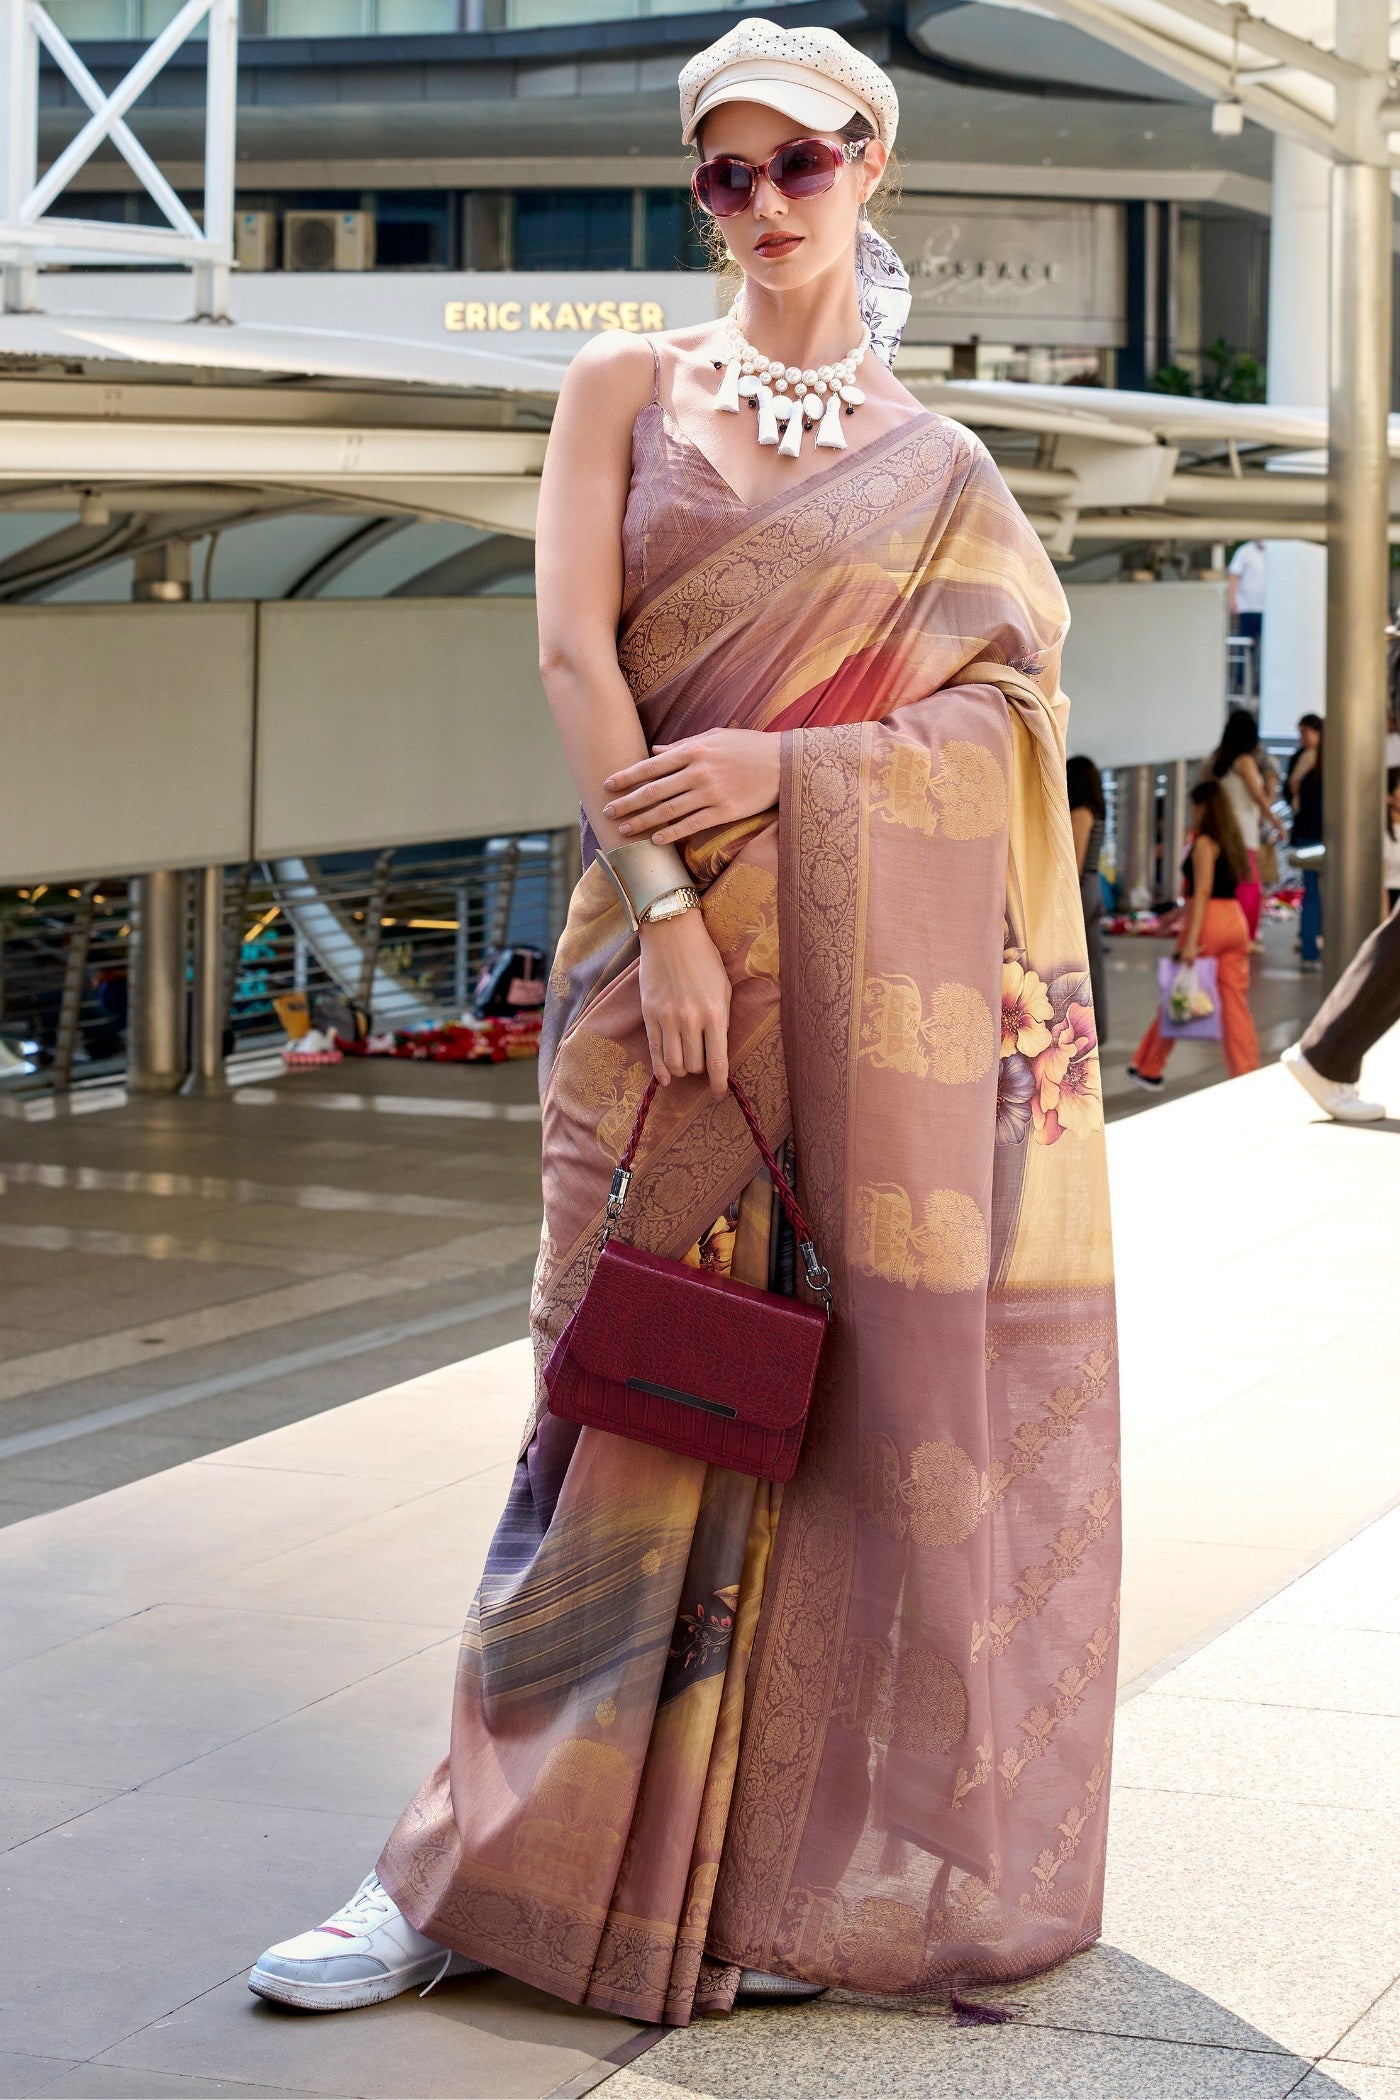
1357	1012
1086	815
1213	924
714	1736
1235	763
1303	786
1392	836
1245	587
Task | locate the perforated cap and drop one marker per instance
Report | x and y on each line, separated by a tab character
811	75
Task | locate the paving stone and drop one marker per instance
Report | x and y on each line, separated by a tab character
1287	1914
1333	1669
151	1906
108	2082
1361	2081
1357	1586
836	2053
1257	1752
22	2077
1375	2039
418	1562
475	2038
363	1751
201	1523
28	1807
174	1682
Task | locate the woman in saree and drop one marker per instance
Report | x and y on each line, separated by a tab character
713	1737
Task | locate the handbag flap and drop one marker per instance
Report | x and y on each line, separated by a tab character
681	1333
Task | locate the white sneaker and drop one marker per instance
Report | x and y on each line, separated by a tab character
367	1952
1342	1103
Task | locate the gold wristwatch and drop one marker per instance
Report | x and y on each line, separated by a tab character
670	905
652	881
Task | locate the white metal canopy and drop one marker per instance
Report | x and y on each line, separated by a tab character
441	439
1274	61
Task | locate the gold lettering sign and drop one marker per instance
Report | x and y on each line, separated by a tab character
546	316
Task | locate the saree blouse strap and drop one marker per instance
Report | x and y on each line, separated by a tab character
655	372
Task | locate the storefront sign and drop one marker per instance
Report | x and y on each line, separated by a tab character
579	315
986	269
981	268
546	314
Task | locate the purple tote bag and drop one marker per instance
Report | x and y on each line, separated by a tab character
1205	1028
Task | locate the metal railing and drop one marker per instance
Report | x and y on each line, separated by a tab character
402	934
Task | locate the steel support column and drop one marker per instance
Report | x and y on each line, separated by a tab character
1136	827
207	1010
156	1019
1358	570
1176	818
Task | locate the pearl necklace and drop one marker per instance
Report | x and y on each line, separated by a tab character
786	397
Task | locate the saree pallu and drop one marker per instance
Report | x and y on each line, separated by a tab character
856	1730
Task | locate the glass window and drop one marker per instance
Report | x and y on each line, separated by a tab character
79	19
673	237
412	230
415	17
486	223
573	230
316	17
538	14
112	207
153	15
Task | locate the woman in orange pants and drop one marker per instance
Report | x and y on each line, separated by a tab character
1216	926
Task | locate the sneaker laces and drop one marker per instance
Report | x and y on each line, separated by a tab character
368	1907
446	1965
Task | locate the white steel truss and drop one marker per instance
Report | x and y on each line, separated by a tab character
1276	61
30	237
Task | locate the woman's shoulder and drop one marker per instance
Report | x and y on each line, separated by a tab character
608	382
619	366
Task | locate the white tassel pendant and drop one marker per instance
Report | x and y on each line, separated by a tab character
767	421
791	445
831	434
727	399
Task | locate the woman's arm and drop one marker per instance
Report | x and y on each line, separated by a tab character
1082	825
685	988
1204	855
1254	780
578	565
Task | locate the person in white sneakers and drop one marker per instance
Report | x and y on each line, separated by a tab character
368	1951
365	1953
1355	1014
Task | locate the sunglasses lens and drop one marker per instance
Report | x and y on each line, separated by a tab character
723	186
805	168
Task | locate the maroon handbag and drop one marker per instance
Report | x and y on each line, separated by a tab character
671	1355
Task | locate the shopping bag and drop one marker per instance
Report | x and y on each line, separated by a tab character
1189	999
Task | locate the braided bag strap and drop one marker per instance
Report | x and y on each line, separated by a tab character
817	1276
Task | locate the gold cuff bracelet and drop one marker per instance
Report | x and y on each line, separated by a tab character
642	874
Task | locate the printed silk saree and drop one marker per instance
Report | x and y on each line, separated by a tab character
855	1730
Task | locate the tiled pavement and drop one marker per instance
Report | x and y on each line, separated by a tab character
177	1275
218	1683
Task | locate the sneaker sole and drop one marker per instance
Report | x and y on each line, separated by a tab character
349	1997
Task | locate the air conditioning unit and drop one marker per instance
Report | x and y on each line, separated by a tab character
255	240
327	240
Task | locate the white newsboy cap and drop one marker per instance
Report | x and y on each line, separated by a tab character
811	75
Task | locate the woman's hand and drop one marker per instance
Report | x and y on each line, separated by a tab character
685	1000
714	778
